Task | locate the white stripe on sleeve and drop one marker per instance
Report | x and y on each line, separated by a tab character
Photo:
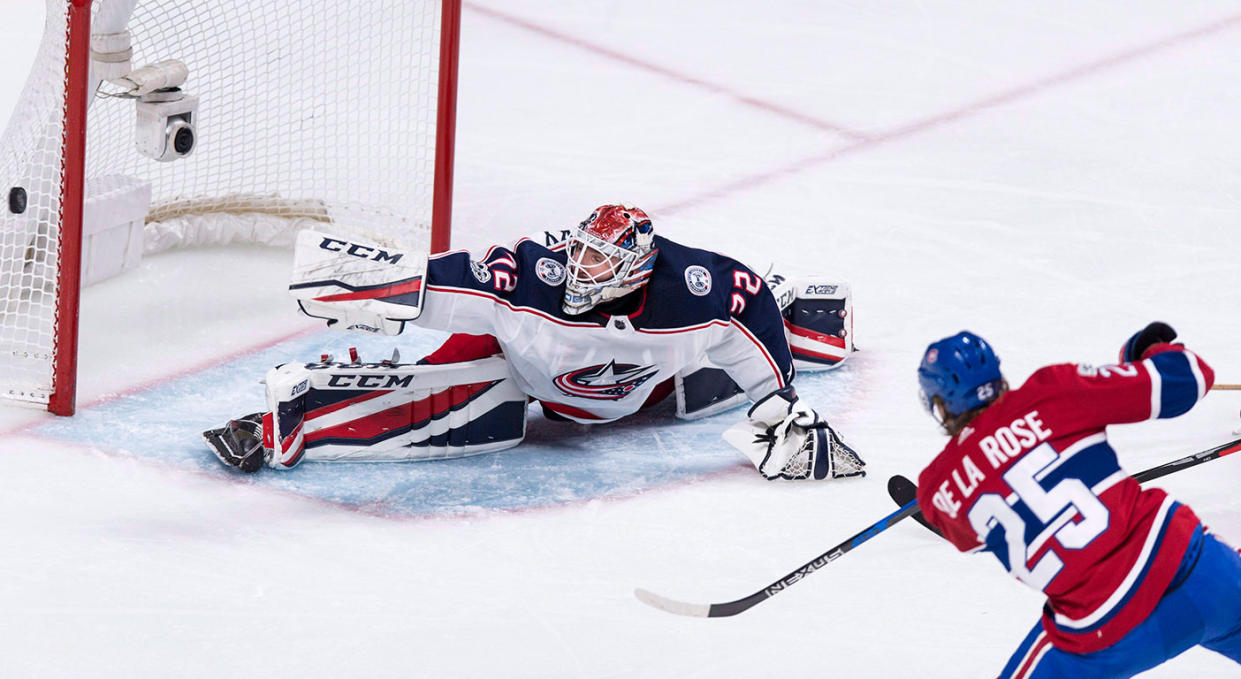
1196	369
1156	388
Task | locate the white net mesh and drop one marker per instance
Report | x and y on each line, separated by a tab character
30	155
309	112
843	461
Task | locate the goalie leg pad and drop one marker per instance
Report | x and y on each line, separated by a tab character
818	320
391	411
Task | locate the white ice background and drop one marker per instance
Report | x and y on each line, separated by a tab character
1051	175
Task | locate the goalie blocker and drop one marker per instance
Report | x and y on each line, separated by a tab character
376	411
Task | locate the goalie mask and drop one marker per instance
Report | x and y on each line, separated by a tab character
610	255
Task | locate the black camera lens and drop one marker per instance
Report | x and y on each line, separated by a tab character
183	141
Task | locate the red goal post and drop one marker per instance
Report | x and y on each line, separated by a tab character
151	124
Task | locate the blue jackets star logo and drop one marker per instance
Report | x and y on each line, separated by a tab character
609	382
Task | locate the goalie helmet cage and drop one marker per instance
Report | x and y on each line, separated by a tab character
304	113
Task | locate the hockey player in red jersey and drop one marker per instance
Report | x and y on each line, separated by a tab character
1132	577
593	324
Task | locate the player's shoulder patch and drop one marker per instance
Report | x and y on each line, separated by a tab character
549	271
698	279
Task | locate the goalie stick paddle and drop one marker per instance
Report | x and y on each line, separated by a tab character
903	491
745	603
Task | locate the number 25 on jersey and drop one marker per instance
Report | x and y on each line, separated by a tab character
1054	510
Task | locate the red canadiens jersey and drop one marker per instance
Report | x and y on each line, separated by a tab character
1033	481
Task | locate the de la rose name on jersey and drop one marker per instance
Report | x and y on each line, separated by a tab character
1023	433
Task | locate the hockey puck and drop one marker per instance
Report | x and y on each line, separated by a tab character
17	200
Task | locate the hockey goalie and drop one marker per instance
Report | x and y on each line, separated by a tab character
594	324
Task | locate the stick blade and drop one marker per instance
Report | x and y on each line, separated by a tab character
903	491
663	603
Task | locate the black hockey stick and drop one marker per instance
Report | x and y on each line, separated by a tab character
901	487
1188	461
745	603
908	491
904	491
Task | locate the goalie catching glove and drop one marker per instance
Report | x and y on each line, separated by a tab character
785	439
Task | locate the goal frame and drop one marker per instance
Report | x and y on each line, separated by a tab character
63	397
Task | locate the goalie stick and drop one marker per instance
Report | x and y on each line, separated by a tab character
904	491
743	604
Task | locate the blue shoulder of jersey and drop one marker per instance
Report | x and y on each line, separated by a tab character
541	278
526	275
688	286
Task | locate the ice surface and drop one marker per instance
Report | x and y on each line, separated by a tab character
1051	176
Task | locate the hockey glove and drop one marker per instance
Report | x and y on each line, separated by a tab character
785	439
355	285
1135	347
345	318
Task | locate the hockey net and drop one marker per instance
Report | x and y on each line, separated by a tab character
309	113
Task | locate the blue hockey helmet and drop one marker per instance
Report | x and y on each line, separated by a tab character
962	370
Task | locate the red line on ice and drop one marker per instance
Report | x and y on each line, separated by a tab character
748	100
164	379
971	109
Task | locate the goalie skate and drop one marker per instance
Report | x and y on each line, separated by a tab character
239	443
